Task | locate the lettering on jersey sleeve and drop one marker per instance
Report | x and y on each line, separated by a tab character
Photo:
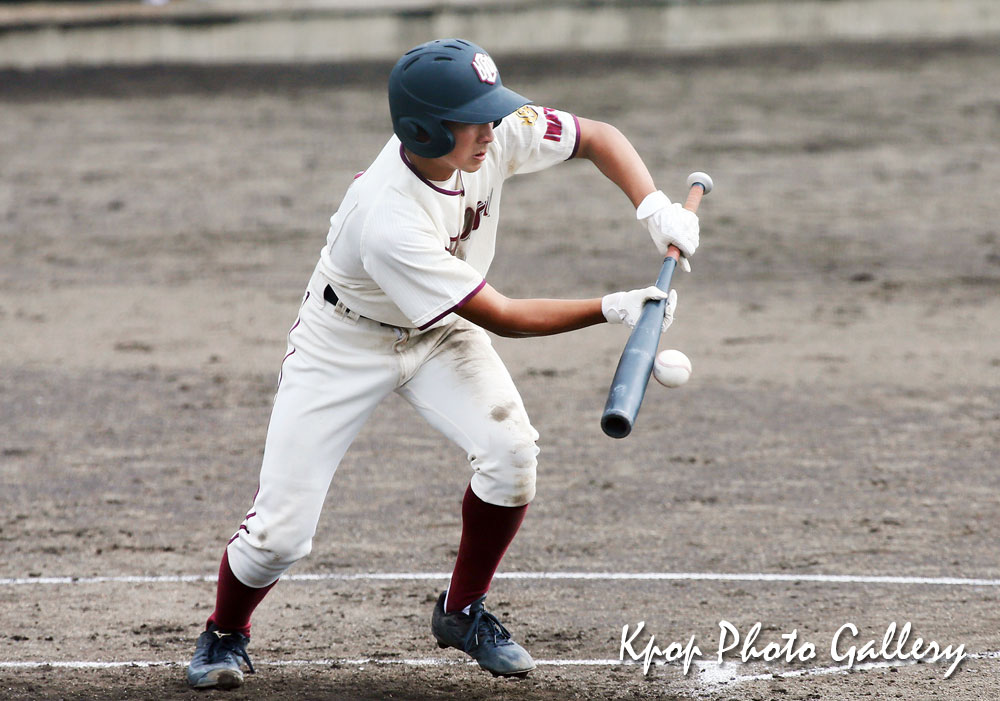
528	115
486	69
554	127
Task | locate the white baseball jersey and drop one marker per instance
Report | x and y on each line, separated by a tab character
406	251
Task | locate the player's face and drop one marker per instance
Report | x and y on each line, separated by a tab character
471	142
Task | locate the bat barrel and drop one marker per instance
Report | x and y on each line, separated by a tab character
632	376
616	424
626	393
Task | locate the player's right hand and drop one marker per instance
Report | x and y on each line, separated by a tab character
625	307
669	223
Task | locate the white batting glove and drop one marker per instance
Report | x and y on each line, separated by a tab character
625	307
669	224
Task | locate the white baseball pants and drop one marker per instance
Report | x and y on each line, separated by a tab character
336	371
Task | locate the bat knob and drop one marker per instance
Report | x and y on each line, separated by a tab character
703	179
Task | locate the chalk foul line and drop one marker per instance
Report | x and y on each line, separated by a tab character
591	576
709	674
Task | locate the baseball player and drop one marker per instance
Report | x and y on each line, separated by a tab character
399	302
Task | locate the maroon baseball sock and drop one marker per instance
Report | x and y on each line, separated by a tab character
235	601
487	531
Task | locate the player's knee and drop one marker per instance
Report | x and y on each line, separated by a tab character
509	467
521	483
262	555
524	459
287	551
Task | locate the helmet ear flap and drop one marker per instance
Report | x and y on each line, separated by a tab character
410	130
428	138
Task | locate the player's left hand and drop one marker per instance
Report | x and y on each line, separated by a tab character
625	307
669	223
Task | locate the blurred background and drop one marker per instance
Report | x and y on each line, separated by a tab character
50	34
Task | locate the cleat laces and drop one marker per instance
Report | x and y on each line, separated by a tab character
486	624
227	643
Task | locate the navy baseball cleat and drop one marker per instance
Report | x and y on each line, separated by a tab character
216	661
482	637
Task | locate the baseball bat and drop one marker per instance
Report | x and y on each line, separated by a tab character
629	384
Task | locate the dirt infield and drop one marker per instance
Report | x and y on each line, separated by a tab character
156	232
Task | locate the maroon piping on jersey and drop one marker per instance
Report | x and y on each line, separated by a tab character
428	183
461	304
281	368
243	527
576	144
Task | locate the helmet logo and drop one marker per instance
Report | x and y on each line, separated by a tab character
485	68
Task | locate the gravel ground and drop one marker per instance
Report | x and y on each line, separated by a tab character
157	228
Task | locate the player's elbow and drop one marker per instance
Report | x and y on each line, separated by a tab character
494	312
508	332
510	321
505	328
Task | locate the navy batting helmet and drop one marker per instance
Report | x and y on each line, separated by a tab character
445	80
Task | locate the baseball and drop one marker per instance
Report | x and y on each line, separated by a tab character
671	368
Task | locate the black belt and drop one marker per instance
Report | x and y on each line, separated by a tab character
331	296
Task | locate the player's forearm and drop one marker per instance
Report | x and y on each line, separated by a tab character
544	317
613	154
531	317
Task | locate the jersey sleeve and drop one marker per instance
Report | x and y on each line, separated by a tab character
534	138
407	261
